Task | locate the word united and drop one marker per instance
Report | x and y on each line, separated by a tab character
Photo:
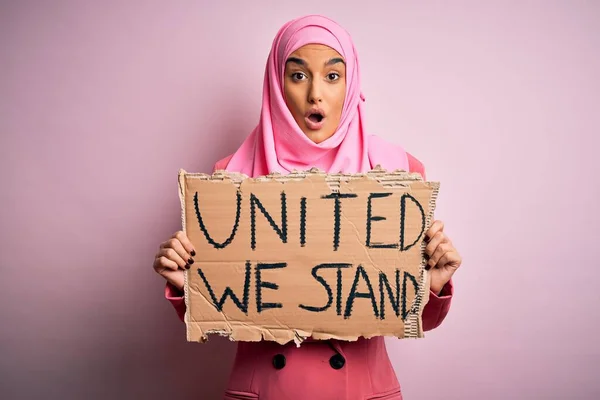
282	231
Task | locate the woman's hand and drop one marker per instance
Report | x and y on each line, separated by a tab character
173	257
444	260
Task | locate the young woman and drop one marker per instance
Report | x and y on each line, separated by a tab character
312	116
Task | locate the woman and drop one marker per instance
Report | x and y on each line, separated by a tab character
311	116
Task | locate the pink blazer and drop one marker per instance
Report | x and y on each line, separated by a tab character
319	370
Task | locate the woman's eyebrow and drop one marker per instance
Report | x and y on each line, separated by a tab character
335	61
296	60
301	62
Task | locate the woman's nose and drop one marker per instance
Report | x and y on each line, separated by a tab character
314	96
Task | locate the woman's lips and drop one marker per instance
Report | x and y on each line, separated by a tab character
314	124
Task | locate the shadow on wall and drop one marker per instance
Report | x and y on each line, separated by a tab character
198	370
230	124
155	365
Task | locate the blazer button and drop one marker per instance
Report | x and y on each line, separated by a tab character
337	361
279	361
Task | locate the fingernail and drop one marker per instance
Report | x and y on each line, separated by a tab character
191	261
193	253
187	266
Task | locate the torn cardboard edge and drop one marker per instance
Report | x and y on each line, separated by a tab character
237	330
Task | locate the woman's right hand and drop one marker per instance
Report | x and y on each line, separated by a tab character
173	257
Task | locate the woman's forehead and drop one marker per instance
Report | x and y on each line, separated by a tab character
315	51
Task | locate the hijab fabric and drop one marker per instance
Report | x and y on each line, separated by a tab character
277	144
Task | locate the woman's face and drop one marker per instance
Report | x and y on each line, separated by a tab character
315	89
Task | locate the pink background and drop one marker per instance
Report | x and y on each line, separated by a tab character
102	102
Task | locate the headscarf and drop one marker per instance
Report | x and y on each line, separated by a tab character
277	144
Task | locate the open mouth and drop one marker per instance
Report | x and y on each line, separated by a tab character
316	118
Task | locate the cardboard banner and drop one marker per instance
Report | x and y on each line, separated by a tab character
308	254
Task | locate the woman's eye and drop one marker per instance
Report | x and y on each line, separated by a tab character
298	76
333	76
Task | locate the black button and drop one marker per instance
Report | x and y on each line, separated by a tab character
337	361
279	361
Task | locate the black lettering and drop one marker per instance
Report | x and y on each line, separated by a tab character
260	306
203	227
416	285
383	281
338	296
242	305
281	232
370	218
323	282
403	221
303	221
337	210
360	271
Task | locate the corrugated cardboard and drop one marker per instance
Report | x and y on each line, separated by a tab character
284	258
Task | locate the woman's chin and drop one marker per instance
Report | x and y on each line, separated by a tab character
317	136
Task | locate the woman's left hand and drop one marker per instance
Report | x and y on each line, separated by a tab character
444	260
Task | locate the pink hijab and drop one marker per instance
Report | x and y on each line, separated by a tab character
278	144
